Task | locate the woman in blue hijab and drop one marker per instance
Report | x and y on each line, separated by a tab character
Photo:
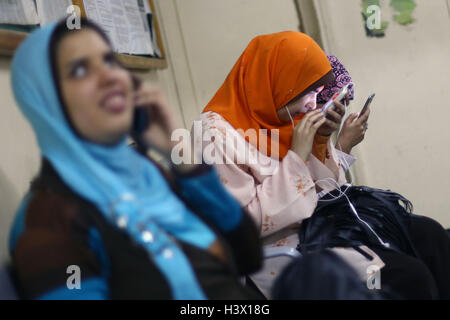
101	221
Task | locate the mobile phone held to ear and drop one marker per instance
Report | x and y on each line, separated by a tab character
336	97
141	120
367	104
141	117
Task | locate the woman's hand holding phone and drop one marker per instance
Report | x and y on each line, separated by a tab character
334	118
304	132
163	122
353	131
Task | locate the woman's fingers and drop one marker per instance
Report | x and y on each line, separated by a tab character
312	114
334	116
306	120
318	115
318	124
364	117
339	108
149	98
303	137
154	101
351	118
332	125
311	123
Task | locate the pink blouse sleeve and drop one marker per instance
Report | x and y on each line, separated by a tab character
278	199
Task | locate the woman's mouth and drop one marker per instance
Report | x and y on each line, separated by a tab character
310	107
114	102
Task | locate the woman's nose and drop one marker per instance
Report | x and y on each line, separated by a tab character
312	105
107	76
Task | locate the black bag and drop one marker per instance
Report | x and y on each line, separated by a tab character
322	275
334	224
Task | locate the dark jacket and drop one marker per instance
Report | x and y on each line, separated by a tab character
58	228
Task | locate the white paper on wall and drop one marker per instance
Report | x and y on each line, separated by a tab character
125	23
18	12
51	10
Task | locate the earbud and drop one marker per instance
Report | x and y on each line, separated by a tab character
292	120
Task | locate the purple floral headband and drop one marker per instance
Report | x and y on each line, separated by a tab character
342	77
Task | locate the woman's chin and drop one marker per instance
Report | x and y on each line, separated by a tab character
114	138
114	134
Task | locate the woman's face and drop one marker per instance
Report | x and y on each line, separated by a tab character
97	91
298	106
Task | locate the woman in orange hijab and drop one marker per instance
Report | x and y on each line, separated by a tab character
274	70
277	173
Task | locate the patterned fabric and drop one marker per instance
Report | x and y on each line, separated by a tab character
342	77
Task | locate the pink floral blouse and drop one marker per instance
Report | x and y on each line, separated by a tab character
277	194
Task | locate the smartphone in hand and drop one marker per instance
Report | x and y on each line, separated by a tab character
141	118
367	104
336	97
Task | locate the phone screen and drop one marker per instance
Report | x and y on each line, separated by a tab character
337	96
367	104
141	117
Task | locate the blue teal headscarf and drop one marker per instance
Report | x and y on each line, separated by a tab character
127	188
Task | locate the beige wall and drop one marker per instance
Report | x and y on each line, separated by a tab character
408	70
18	155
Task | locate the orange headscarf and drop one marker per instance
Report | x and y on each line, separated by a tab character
273	69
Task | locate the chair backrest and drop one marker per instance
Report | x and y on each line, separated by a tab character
7	288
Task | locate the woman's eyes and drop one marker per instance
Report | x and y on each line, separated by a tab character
81	69
78	71
111	60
